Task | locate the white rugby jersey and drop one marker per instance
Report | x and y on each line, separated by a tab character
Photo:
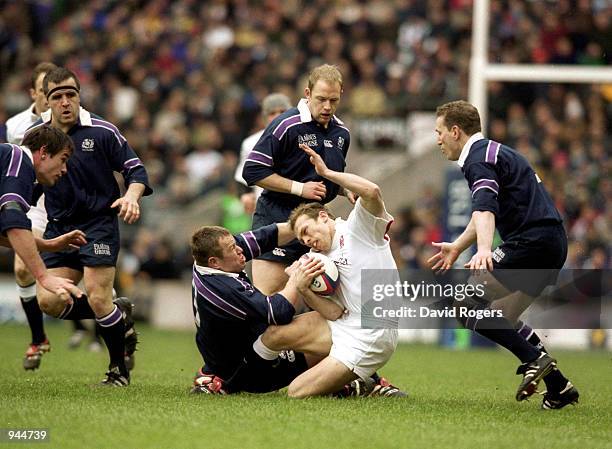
17	125
359	243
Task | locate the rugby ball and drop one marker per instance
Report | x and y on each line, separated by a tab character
326	283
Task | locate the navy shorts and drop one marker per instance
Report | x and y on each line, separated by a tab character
266	377
531	261
101	249
268	212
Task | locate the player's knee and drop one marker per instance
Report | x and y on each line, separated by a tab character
49	303
274	337
297	391
22	274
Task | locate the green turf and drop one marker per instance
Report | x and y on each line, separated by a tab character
457	400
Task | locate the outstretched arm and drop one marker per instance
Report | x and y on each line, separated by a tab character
371	197
449	252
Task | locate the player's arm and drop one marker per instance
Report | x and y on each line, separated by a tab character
311	190
370	194
484	223
259	169
285	234
326	307
484	185
129	209
22	241
449	252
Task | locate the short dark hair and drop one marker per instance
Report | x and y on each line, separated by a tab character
53	139
58	75
325	72
311	210
205	243
462	114
43	67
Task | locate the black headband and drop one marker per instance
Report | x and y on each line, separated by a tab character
61	88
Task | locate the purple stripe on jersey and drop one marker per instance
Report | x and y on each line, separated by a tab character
110	127
111	319
484	187
8	197
492	149
15	164
216	300
280	130
251	241
485	183
255	156
131	163
489	182
271	318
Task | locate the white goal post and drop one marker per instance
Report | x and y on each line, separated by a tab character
482	71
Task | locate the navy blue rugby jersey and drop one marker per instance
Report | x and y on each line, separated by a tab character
277	151
502	182
17	179
89	187
230	313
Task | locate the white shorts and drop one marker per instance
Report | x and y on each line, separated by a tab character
38	215
363	351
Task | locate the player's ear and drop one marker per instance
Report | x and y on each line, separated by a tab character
323	216
307	93
213	262
43	152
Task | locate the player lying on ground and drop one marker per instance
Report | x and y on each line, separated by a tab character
351	354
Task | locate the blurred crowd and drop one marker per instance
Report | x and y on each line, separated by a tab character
183	81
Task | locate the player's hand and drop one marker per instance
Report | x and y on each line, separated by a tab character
315	160
248	202
314	190
305	272
129	210
64	288
481	261
70	240
351	196
444	259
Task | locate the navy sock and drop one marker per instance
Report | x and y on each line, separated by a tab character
112	328
555	380
501	331
78	310
35	319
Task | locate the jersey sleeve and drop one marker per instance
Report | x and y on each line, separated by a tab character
259	163
125	161
257	242
16	191
483	182
369	228
236	299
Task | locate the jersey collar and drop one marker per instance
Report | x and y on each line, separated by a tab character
466	148
84	117
210	271
305	115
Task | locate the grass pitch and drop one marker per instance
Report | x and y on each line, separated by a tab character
456	400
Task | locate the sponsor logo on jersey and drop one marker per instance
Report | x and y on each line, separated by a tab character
328	143
87	145
498	255
340	142
279	252
341	241
308	139
102	249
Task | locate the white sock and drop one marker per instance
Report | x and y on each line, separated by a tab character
28	292
263	351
